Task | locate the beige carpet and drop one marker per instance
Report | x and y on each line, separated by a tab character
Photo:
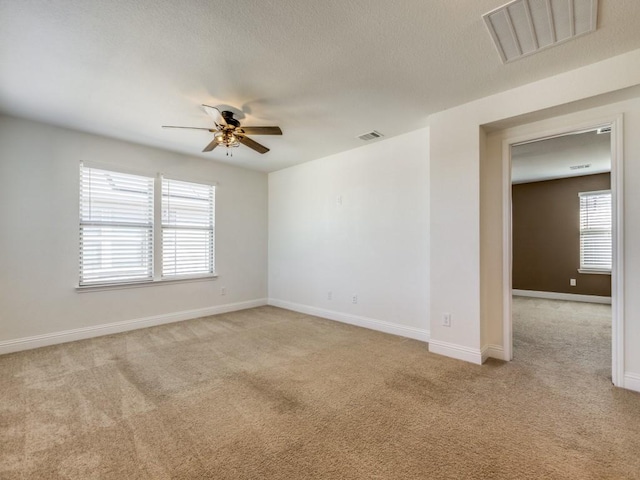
267	393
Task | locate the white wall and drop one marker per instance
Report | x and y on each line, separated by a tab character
39	234
457	152
374	244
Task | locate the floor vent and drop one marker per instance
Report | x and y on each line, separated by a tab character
524	27
370	135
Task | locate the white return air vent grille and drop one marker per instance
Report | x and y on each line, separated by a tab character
524	27
372	135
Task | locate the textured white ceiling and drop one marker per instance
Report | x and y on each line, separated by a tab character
552	158
324	71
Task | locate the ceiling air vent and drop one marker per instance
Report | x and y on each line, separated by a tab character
370	135
524	27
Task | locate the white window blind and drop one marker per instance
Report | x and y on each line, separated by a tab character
116	227
595	230
188	222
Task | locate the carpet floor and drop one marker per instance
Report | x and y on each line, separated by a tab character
272	394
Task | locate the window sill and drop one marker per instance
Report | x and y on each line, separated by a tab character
122	286
594	272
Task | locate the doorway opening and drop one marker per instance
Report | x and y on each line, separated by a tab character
572	280
562	250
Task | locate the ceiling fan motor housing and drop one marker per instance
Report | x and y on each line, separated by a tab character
228	117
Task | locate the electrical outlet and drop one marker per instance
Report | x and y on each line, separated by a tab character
329	295
354	299
572	282
223	291
446	319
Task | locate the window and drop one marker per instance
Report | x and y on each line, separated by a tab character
117	228
595	231
187	228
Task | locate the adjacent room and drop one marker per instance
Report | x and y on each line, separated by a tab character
562	250
280	239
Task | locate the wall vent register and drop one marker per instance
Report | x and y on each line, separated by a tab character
373	134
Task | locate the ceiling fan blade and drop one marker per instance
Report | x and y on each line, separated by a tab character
214	113
252	144
262	130
191	128
211	146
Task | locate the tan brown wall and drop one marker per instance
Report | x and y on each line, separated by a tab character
546	236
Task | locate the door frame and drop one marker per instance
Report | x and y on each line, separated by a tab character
617	266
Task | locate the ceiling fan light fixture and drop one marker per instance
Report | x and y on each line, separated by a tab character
227	139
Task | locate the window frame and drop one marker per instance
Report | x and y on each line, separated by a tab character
593	269
156	248
115	225
163	226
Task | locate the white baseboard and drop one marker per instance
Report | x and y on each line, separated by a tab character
370	323
632	382
453	350
492	351
571	297
27	343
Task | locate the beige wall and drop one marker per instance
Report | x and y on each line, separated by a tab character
355	223
39	170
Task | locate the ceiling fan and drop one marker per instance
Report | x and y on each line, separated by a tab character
229	133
